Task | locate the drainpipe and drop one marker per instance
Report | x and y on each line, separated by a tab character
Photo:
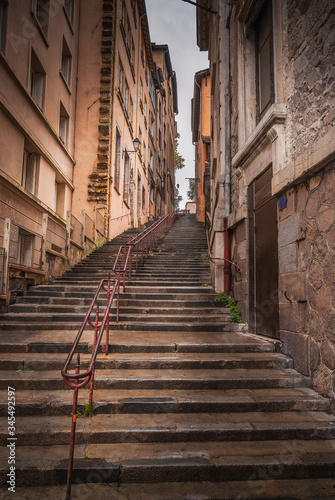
227	159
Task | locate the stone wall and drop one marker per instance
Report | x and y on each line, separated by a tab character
310	72
306	237
239	255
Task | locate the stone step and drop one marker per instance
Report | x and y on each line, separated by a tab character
56	324
59	402
165	462
77	316
155	291
162	379
272	488
38	301
131	341
171	360
173	428
200	311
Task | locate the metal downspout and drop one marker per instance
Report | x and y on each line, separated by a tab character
227	180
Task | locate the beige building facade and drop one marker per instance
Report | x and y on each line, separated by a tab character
78	84
201	131
272	169
38	60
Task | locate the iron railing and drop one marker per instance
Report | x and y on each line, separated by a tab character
142	244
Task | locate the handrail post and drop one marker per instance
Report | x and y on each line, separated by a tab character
107	323
96	326
73	433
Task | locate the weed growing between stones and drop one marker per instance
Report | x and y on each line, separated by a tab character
235	313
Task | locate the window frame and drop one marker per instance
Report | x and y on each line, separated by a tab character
30	171
66	57
37	80
3	24
64	122
41	13
117	160
267	9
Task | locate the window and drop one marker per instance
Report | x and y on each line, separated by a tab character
30	171
121	79
144	154
124	94
141	91
126	179
66	62
68	4
140	138
3	17
63	125
122	13
264	60
59	198
145	111
152	91
41	13
25	248
143	199
37	80
151	124
130	111
139	196
117	160
132	53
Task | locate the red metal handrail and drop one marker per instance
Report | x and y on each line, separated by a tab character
213	259
150	237
147	238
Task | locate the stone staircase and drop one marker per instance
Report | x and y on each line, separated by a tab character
188	405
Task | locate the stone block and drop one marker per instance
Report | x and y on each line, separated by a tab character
289	230
315	274
325	218
240	232
328	324
323	299
304	255
295	286
241	250
311	231
287	257
322	381
331	239
315	355
296	345
320	249
315	327
328	354
327	188
313	204
328	269
240	291
293	317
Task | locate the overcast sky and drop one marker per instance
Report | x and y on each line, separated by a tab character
173	22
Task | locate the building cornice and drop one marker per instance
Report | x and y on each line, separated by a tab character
260	137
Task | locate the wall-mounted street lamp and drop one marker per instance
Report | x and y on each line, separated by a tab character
136	145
